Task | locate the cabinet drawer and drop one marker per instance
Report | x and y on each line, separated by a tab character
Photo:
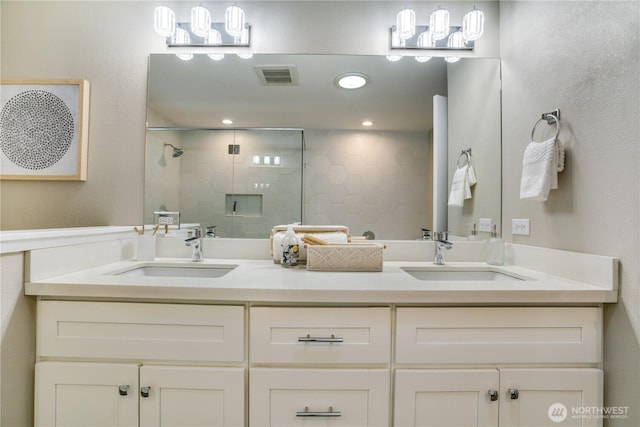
320	335
167	332
300	397
499	335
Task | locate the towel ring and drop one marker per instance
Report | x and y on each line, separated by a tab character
466	153
546	118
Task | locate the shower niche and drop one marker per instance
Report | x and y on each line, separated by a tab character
243	191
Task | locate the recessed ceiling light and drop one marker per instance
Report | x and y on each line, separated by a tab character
227	121
352	80
367	123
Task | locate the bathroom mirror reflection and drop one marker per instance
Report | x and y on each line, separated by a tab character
373	179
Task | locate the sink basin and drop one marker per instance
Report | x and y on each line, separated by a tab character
444	274
181	270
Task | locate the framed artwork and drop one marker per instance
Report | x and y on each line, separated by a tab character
44	128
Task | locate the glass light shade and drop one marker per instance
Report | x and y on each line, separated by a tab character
256	161
234	21
182	37
214	38
164	21
456	41
200	21
423	58
473	25
276	160
406	24
247	55
266	160
394	58
425	40
439	24
244	37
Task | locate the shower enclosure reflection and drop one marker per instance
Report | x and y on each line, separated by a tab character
241	181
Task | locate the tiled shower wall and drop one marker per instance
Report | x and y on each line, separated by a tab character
369	181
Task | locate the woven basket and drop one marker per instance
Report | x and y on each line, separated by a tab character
345	257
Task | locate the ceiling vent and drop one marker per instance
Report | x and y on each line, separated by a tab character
277	75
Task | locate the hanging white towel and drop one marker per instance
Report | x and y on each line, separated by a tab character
539	170
460	189
471	175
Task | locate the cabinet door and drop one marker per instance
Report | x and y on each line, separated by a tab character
305	397
443	398
86	394
548	397
191	396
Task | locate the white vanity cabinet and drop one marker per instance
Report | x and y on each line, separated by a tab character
134	364
320	365
497	366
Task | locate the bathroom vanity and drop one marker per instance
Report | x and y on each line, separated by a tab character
122	343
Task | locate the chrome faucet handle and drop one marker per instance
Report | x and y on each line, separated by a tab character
441	235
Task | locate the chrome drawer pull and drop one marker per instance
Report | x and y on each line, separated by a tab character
514	393
308	413
123	390
144	391
309	338
493	395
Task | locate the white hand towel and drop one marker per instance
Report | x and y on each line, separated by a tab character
460	189
471	172
539	170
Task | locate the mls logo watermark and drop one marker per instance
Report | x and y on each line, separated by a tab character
558	412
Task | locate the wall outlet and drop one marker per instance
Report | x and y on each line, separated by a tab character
520	226
484	224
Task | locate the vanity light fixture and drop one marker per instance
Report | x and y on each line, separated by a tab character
234	32
352	80
436	35
182	36
227	121
367	123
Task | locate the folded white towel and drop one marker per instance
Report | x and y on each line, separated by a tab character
539	170
460	189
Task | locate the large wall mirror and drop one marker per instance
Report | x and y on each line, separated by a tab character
332	169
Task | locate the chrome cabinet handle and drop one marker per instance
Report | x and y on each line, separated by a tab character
144	391
308	413
514	393
493	395
123	390
309	338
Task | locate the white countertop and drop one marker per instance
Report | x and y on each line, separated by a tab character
262	281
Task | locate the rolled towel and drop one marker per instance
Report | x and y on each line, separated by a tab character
460	189
539	170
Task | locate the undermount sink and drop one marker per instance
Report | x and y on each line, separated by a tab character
471	274
181	270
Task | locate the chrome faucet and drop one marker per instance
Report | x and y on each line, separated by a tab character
442	244
196	244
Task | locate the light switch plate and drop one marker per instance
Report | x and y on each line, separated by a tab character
484	224
520	226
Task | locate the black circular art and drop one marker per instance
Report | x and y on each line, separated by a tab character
36	129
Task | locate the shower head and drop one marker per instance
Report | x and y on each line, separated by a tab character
177	152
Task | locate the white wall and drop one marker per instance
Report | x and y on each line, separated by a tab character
581	57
